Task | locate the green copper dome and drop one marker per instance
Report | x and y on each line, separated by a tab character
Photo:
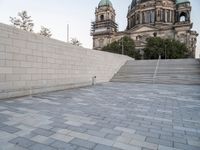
105	3
182	1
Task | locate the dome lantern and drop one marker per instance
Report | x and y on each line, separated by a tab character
105	3
182	1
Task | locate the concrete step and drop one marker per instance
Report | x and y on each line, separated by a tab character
181	71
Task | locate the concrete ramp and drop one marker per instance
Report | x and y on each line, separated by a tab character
179	71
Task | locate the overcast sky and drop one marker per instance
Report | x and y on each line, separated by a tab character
56	14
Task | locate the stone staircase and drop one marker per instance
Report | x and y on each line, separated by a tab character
179	71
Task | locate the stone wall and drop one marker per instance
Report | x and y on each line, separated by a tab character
30	63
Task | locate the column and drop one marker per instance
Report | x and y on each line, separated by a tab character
143	17
173	16
158	15
170	16
140	17
161	15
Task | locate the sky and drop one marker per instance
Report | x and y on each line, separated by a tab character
56	14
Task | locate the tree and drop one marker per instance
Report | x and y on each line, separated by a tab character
75	42
166	48
45	32
24	21
125	46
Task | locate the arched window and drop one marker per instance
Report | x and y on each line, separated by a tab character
143	17
155	34
133	20
147	17
138	19
158	13
102	17
152	16
138	38
183	17
168	16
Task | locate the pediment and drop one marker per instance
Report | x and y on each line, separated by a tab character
143	28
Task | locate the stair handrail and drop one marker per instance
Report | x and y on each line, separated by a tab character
198	60
156	69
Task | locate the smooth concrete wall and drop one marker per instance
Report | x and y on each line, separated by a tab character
30	63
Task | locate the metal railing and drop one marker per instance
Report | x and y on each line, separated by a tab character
156	69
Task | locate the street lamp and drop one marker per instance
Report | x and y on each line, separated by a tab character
68	33
122	46
165	52
121	43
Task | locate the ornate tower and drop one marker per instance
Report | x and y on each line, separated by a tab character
183	25
183	11
104	26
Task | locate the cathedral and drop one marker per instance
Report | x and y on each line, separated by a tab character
145	18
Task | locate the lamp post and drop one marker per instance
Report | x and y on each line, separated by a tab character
67	33
165	53
122	46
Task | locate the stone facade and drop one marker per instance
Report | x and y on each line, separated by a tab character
147	18
30	63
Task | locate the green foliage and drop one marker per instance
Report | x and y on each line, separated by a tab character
124	46
166	48
23	21
45	32
75	42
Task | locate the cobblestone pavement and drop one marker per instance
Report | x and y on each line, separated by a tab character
111	116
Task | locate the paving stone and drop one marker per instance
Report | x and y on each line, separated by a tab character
185	129
194	134
169	138
29	135
82	136
185	146
125	129
104	147
10	146
63	145
143	148
159	141
167	133
59	125
100	140
111	137
149	134
126	146
43	132
161	147
194	143
40	139
61	137
10	129
144	144
134	136
23	142
96	133
39	146
2	125
111	131
73	123
103	113
83	143
91	127
82	148
78	129
125	140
